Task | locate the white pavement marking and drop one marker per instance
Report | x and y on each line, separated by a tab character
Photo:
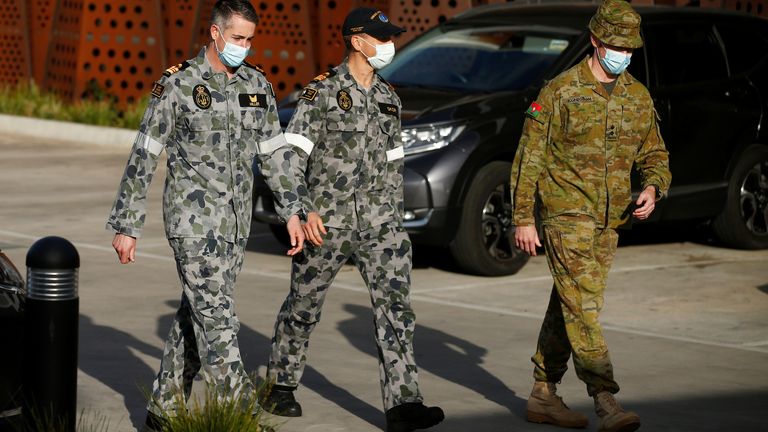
517	281
747	346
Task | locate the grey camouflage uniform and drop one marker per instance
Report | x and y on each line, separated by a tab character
350	156
211	128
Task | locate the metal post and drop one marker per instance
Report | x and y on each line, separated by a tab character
51	334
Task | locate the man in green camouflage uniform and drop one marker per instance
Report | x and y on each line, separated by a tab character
349	156
581	137
212	115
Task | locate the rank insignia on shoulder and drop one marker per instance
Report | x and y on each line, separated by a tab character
324	75
258	68
344	100
173	69
533	111
308	94
202	96
157	90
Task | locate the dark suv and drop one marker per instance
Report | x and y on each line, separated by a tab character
466	84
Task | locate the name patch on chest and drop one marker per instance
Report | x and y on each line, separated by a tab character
580	99
390	109
248	100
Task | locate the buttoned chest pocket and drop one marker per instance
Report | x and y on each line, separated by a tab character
345	136
201	136
635	123
254	124
582	120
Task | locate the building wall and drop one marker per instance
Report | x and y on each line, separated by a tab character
117	48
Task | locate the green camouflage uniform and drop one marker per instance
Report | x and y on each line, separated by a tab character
349	153
577	149
211	128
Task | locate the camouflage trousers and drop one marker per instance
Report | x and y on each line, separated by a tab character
383	257
204	331
579	256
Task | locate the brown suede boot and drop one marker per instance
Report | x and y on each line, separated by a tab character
613	418
545	406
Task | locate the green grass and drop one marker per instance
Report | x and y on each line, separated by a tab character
29	100
213	413
218	413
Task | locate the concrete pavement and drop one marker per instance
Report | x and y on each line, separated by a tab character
687	323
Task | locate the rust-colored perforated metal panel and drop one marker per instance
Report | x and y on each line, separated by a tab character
752	7
711	3
418	16
14	43
329	44
180	28
112	47
283	44
40	16
203	25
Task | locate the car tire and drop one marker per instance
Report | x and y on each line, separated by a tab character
743	222
484	244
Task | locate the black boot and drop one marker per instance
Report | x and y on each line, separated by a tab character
411	416
282	402
153	423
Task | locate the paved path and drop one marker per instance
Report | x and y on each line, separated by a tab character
687	323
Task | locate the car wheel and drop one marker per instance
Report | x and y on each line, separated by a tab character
744	220
485	242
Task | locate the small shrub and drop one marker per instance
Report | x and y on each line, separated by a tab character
217	413
26	99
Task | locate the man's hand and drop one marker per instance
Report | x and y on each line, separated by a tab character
125	246
646	202
295	234
527	239
314	229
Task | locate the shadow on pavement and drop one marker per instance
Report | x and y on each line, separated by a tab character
704	413
255	349
105	354
447	356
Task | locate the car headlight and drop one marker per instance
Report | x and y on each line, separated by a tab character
424	139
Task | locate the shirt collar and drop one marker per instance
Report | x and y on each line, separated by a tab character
587	78
347	80
206	70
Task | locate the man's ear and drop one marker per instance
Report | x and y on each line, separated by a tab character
214	32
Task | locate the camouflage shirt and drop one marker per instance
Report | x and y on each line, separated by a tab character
579	145
212	127
349	153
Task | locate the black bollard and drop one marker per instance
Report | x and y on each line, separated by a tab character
51	335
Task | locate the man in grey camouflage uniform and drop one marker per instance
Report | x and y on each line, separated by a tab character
212	115
349	161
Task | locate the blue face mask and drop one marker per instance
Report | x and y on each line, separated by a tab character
232	55
614	62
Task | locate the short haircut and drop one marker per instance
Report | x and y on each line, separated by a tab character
348	45
224	10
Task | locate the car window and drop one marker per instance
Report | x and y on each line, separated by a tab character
744	47
476	60
686	53
636	66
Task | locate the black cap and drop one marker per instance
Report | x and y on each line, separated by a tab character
369	21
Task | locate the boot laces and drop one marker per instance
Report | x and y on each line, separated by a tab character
557	397
610	403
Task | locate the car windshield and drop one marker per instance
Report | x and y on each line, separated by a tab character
476	60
